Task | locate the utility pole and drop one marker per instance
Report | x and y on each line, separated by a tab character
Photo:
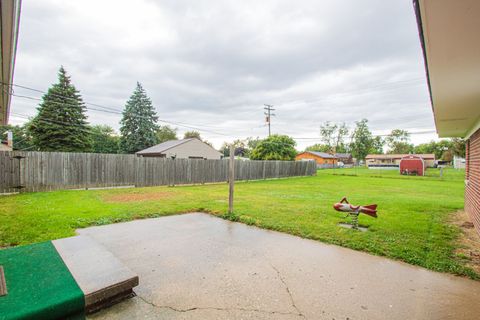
231	178
268	116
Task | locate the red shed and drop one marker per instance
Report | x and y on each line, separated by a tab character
413	165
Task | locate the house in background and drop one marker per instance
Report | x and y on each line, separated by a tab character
323	159
181	149
345	158
392	161
6	145
449	35
458	162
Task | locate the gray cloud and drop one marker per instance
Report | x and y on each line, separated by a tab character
214	63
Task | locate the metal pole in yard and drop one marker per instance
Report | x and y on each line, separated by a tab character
231	178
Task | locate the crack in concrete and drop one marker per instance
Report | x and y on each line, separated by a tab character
288	291
216	308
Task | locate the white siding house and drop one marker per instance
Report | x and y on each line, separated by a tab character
181	149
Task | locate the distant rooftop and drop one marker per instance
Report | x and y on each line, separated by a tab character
322	154
164	146
343	155
4	147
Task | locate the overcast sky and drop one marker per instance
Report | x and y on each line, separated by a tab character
213	64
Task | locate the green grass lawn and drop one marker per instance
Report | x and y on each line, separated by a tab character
412	225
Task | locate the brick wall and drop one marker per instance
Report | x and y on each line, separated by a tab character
472	175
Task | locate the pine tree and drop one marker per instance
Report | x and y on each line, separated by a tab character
61	123
139	123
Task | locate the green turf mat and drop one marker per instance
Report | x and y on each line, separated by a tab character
39	285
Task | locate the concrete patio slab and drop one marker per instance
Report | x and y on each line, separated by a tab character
196	266
99	274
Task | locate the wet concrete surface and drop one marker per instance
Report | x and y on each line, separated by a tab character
196	266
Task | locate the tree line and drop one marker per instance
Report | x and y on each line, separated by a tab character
338	138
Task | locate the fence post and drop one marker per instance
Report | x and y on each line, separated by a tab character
135	166
174	171
21	173
231	179
204	169
87	169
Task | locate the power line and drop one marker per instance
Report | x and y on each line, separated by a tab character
57	95
110	110
309	101
375	135
107	109
382	85
88	130
181	124
53	121
62	103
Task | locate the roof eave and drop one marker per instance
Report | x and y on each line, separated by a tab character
10	23
418	15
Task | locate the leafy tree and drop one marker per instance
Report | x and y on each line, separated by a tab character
253	142
398	141
363	141
428	147
377	145
192	134
333	136
437	148
447	155
105	140
458	147
225	149
241	148
21	137
196	134
445	148
61	122
318	147
139	123
166	133
275	147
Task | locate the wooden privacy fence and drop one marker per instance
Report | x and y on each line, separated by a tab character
22	171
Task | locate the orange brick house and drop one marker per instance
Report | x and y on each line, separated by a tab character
322	159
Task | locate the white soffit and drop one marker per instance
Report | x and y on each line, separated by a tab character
451	31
